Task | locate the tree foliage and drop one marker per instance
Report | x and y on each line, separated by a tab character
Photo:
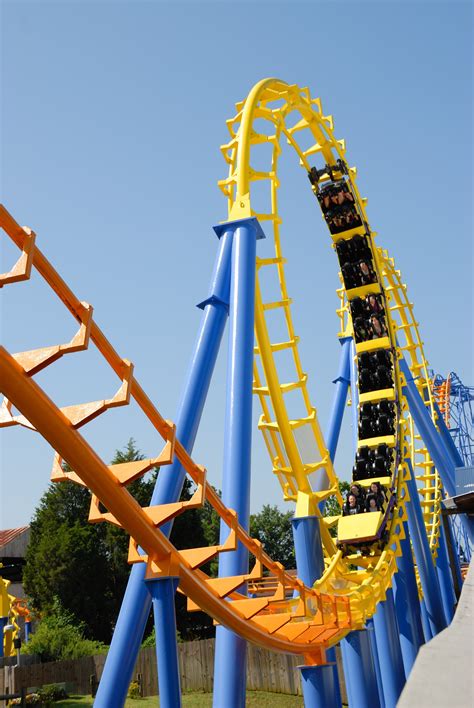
332	507
83	565
273	528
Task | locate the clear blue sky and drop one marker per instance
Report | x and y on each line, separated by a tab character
112	117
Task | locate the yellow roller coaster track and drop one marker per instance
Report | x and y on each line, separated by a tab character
343	598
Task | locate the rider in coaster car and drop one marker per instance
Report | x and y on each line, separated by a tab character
358	307
343	251
361	331
377	326
373	304
367	275
361	248
359	494
350	506
350	276
372	503
379	492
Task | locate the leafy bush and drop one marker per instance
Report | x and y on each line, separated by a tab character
134	690
52	692
60	636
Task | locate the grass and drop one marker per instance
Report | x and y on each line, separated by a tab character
255	699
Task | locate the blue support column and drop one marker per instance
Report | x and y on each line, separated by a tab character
230	664
357	649
342	383
407	609
136	604
3	624
319	686
359	670
307	539
425	621
388	646
443	570
453	452
354	395
455	565
27	631
316	681
163	592
373	644
424	562
407	572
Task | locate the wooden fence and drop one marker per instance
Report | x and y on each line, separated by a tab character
266	671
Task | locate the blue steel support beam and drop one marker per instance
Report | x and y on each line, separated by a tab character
354	396
407	607
342	383
308	547
27	631
424	561
136	603
454	453
388	646
359	670
425	621
445	578
3	624
319	686
427	430
320	683
373	645
406	566
357	646
163	591
230	663
456	564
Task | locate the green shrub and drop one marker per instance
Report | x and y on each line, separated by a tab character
52	692
134	690
60	636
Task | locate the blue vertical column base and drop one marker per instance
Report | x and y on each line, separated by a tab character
163	592
390	655
3	624
230	688
318	684
310	567
359	670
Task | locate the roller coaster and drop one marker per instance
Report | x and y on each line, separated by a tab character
389	542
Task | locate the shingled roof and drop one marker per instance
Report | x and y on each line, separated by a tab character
9	535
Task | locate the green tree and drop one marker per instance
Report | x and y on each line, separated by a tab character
82	564
273	528
332	507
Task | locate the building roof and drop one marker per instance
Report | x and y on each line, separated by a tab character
9	535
